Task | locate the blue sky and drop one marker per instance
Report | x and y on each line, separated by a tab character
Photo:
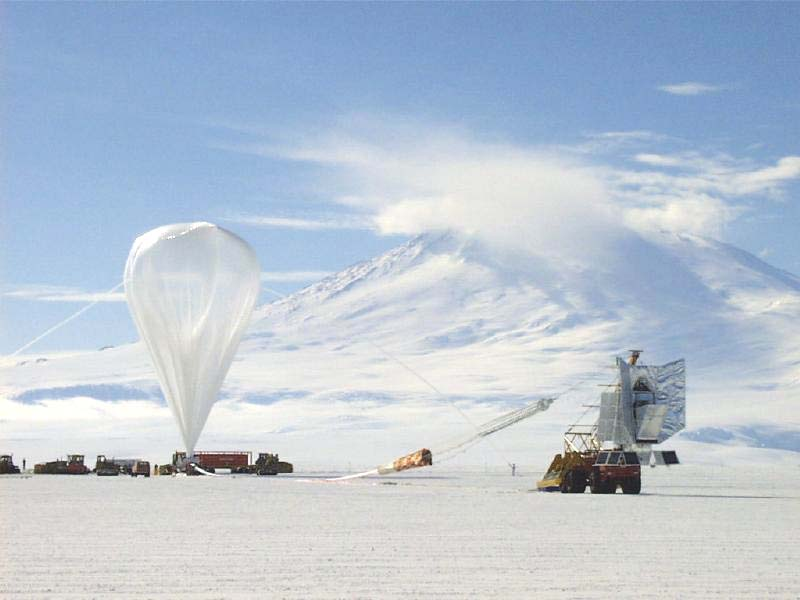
327	133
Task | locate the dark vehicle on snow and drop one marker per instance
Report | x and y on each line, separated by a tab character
140	467
106	468
7	466
72	466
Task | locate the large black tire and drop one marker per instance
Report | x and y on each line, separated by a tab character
578	482
574	482
598	486
632	486
568	483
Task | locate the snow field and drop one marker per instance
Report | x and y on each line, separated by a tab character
694	532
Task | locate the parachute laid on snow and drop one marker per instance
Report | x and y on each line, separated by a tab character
191	288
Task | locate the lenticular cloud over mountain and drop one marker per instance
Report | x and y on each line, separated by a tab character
569	200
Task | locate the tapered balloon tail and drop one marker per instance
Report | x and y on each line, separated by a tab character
354	475
202	471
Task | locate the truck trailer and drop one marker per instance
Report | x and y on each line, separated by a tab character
237	461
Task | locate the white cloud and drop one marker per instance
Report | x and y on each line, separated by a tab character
658	160
294	276
690	88
697	214
609	142
304	223
508	195
694	193
719	175
634	134
409	178
768	177
55	293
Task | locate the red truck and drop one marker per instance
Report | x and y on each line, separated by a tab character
614	469
211	461
602	470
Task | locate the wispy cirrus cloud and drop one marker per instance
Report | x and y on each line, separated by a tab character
658	160
690	88
696	193
722	175
56	293
631	134
313	223
614	141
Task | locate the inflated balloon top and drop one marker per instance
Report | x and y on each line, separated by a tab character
191	288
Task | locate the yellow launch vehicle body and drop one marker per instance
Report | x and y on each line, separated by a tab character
551	482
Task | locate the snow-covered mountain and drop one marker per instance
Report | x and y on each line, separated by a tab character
327	375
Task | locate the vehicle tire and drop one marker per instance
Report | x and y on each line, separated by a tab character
598	486
632	486
579	483
565	486
570	484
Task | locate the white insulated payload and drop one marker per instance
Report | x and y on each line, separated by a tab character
646	406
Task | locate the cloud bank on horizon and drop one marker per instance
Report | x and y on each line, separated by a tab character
410	178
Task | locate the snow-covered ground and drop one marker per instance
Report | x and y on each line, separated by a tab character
695	532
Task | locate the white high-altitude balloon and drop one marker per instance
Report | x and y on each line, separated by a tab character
191	288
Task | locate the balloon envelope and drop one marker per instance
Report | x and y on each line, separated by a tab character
191	288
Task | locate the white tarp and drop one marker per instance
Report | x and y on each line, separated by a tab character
191	288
